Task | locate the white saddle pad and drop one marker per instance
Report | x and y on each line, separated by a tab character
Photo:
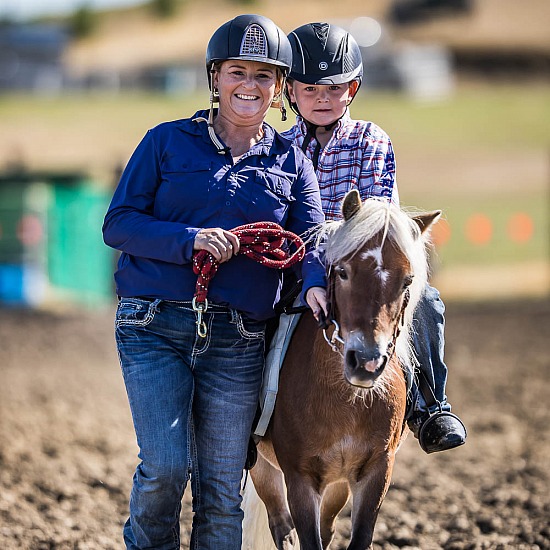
273	364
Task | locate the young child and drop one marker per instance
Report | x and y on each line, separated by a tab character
350	154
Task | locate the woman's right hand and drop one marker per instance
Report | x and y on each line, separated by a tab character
220	243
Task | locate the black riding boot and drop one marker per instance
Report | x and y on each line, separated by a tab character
439	431
431	421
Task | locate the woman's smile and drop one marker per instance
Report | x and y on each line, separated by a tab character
247	97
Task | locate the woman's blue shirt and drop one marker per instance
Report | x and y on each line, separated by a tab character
176	183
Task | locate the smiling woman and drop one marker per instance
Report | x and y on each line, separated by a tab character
188	185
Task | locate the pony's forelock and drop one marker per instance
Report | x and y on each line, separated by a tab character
340	239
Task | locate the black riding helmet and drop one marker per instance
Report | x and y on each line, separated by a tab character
324	54
251	38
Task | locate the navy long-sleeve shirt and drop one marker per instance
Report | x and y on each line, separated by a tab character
176	183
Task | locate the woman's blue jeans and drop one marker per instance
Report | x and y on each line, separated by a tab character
429	345
193	401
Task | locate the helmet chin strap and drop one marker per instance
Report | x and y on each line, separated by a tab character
210	122
312	134
211	132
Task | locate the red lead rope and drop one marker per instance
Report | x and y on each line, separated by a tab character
260	241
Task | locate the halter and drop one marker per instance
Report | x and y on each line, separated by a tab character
261	242
335	337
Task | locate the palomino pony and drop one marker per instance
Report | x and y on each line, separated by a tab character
339	413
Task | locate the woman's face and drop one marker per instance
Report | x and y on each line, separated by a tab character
246	90
321	104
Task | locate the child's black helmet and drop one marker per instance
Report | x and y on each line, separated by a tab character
324	54
251	38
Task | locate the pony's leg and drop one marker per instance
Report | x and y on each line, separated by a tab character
305	507
368	494
334	499
269	484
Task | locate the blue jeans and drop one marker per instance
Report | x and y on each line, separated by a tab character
193	402
429	344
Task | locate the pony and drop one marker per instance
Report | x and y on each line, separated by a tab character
339	414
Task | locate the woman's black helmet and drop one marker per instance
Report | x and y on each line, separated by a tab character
251	38
324	54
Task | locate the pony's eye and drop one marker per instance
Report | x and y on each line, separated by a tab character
341	272
407	281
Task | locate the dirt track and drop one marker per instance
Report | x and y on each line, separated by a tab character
67	448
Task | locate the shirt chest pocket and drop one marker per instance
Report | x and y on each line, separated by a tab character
271	197
185	184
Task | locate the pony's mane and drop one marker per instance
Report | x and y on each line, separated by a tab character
341	239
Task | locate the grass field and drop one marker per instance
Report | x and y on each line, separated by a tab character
485	151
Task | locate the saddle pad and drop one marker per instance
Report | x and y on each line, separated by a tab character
273	364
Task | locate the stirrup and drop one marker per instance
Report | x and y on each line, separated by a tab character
431	441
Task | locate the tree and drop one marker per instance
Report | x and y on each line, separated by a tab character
83	21
164	8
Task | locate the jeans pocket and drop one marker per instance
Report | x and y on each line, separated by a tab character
135	312
249	328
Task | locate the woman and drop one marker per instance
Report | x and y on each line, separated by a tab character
193	394
355	154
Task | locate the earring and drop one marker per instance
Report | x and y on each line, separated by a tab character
283	109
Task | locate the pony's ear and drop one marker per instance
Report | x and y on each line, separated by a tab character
424	221
351	204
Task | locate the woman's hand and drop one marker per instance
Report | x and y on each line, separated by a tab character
316	298
220	243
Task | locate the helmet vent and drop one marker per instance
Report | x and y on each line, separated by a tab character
254	42
321	32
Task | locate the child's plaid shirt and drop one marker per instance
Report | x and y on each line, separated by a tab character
358	156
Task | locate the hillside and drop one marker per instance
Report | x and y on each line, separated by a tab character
129	39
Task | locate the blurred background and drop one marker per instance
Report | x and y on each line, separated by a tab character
463	89
461	86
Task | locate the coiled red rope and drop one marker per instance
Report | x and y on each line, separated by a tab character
260	241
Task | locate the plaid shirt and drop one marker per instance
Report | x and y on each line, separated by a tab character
358	156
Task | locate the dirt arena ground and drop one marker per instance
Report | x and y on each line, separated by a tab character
67	449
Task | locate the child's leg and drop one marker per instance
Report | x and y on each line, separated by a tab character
430	418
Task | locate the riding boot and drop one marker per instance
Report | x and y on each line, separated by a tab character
430	419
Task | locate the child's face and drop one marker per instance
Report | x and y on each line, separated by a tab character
322	104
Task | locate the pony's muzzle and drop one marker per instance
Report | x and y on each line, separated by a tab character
363	364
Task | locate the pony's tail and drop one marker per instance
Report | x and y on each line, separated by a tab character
256	533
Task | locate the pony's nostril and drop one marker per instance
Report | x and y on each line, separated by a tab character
360	360
352	360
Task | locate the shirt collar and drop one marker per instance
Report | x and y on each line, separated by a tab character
198	125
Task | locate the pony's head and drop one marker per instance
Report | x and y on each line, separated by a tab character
377	268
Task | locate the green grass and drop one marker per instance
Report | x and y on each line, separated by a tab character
488	121
488	117
485	117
